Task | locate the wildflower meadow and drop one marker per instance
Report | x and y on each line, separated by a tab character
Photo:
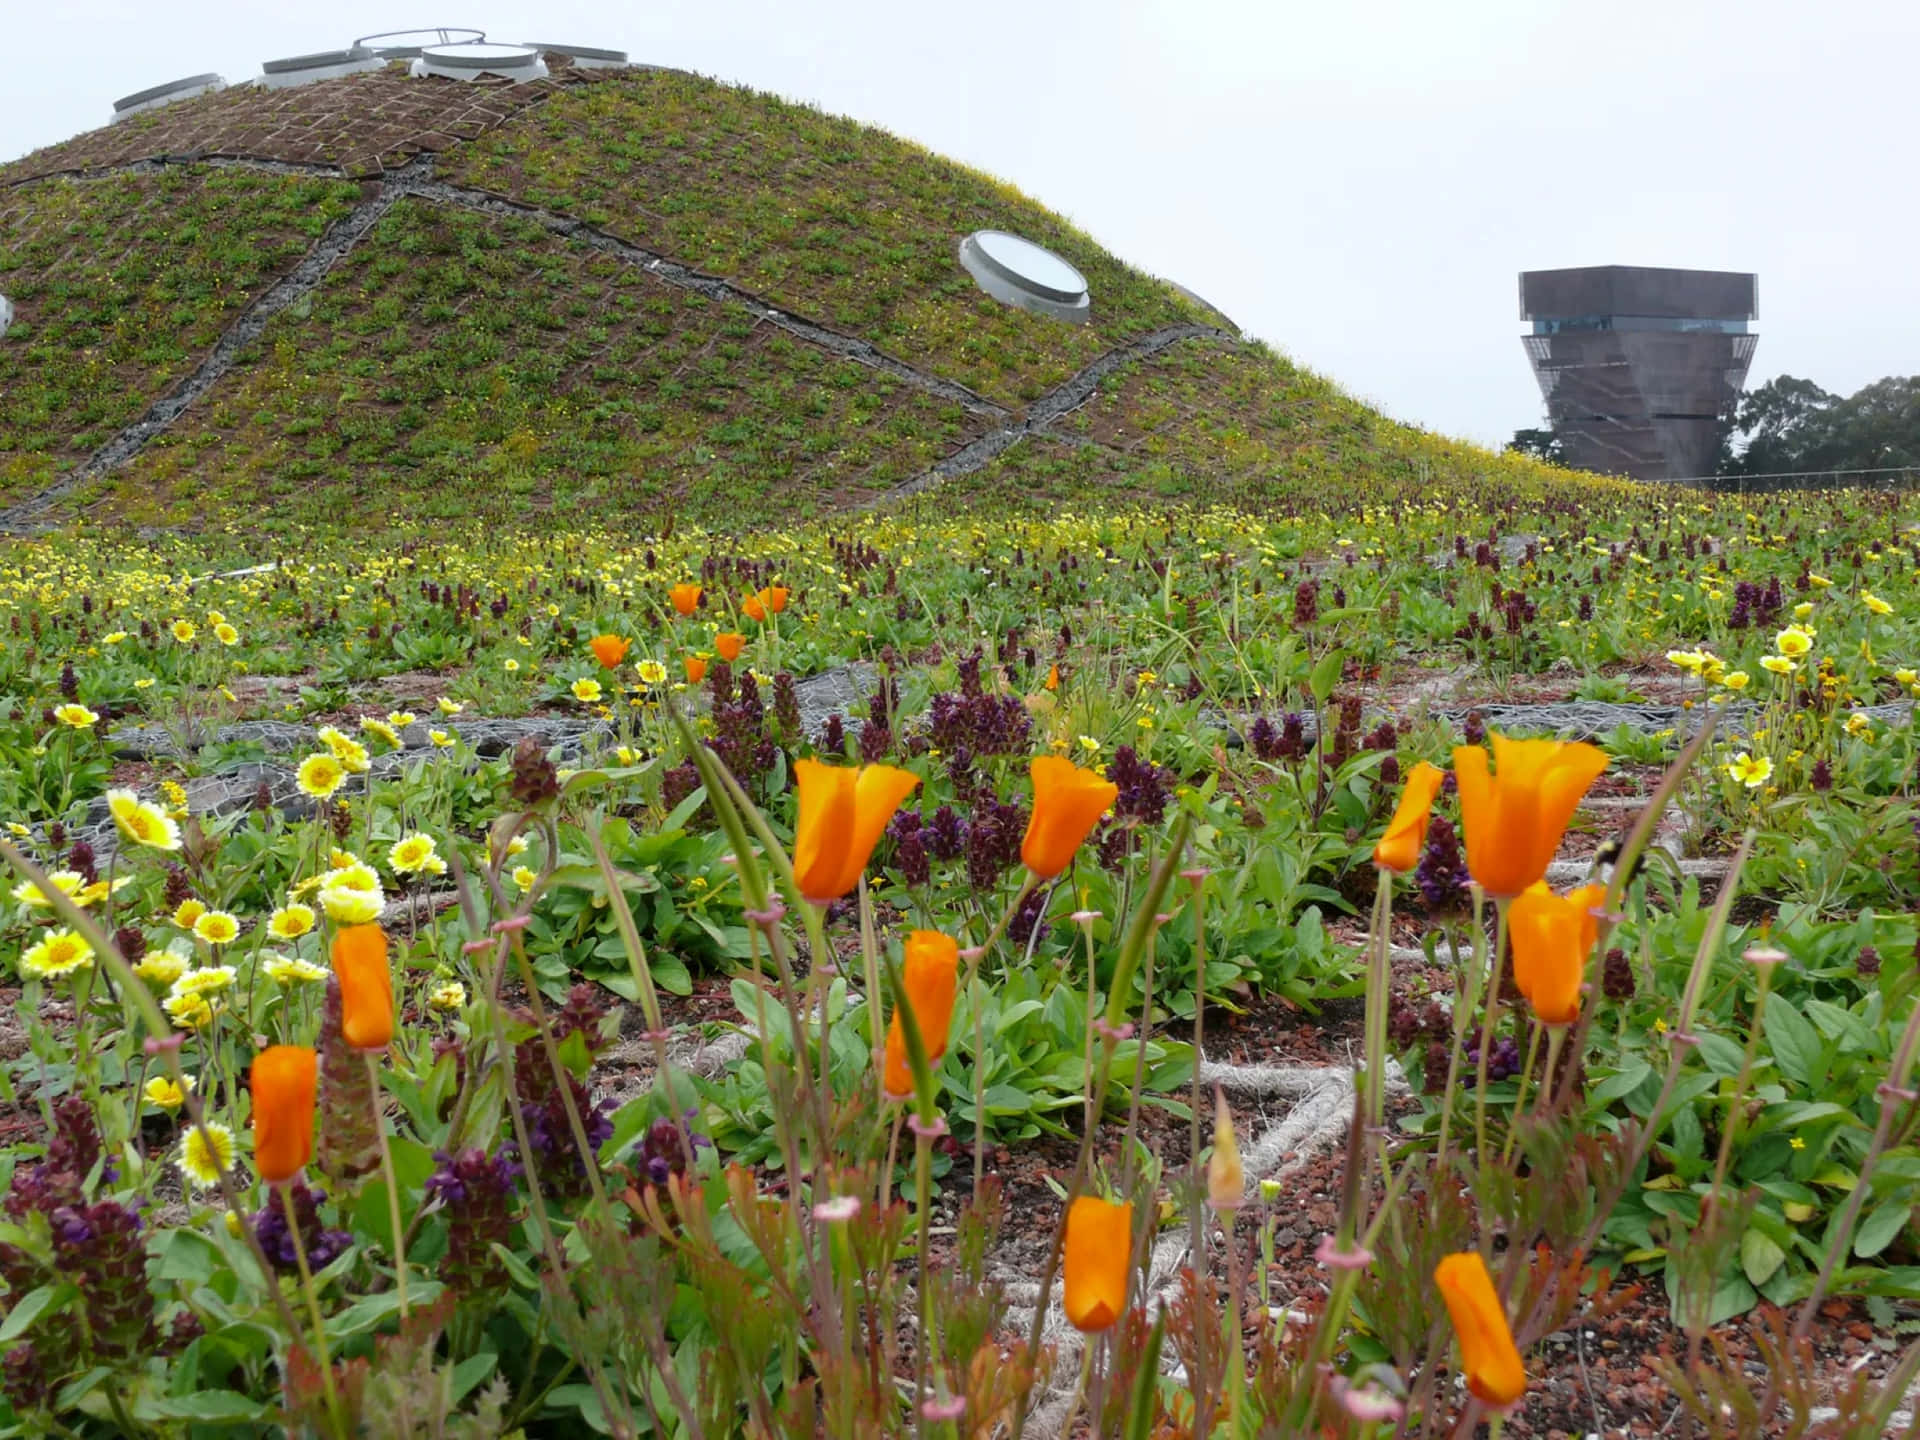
1168	971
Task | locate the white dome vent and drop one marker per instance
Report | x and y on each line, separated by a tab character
471	61
143	100
6	315
325	65
1020	273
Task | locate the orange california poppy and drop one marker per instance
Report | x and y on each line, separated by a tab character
685	597
1515	816
1099	1255
843	810
774	597
1067	803
1399	849
696	669
366	988
1053	677
754	607
1552	935
283	1080
1492	1365
729	645
609	650
933	961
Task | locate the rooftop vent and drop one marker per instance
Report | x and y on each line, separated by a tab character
1021	273
407	44
166	94
471	61
326	65
6	315
584	57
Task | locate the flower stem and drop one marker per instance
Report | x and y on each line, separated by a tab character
313	1311
393	1184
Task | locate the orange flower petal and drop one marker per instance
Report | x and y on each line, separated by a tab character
1493	1368
283	1080
1099	1254
366	987
1399	849
1067	803
929	977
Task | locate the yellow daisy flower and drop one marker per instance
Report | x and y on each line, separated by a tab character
207	1152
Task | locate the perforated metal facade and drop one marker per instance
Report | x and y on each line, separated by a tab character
1640	367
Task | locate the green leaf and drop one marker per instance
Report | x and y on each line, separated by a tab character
187	1256
470	1372
1796	1044
1838	1024
212	1407
1880	1228
1624	1083
1760	1256
365	1314
30	1307
516	1267
1326	675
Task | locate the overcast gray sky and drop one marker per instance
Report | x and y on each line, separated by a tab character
1356	183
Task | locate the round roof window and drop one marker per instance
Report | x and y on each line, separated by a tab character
1019	272
469	62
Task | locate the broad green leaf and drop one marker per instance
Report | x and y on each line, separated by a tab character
1796	1044
29	1309
1880	1228
1759	1256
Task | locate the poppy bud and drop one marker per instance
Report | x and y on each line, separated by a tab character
366	987
928	977
843	810
1099	1253
283	1080
1067	803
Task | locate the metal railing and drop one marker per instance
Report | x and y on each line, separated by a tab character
1889	478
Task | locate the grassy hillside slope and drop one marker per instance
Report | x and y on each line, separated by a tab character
502	344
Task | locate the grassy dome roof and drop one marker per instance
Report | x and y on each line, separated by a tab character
623	293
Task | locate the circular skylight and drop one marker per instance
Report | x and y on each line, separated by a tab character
1021	273
166	94
407	44
585	57
325	65
470	61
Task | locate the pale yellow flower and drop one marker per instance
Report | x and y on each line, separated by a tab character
225	633
320	774
291	970
61	952
586	690
207	980
188	913
217	927
449	996
1752	771
442	740
166	1092
75	716
411	854
651	671
206	1153
161	967
141	823
188	1010
183	631
291	921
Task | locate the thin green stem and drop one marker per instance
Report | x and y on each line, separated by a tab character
393	1184
334	1413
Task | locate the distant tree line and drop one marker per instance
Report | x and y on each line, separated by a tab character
1792	426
